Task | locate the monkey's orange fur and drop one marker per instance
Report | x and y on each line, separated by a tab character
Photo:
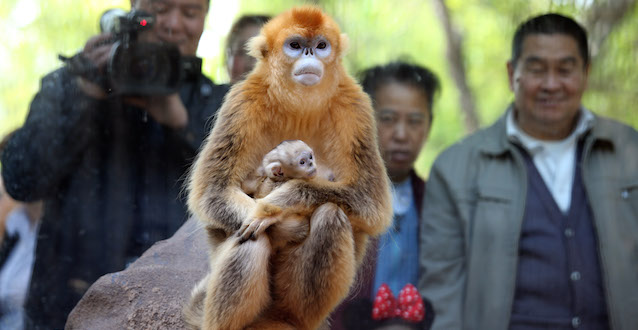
335	118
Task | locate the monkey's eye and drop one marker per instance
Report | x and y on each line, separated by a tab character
322	48
295	45
310	156
302	162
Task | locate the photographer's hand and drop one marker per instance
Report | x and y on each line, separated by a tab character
167	110
97	51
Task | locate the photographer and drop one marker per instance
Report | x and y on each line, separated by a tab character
108	164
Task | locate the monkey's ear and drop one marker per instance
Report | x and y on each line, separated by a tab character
344	41
257	47
274	170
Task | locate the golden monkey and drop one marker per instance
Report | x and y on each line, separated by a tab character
299	90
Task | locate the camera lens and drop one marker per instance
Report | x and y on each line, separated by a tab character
145	68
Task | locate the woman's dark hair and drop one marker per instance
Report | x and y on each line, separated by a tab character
242	23
404	73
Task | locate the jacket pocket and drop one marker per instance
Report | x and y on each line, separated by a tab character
494	194
493	223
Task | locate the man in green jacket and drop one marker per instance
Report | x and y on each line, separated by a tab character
532	223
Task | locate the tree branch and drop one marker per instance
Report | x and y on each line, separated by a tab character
601	19
454	54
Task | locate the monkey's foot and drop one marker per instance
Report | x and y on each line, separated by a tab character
255	228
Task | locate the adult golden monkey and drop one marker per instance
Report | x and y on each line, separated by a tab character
299	90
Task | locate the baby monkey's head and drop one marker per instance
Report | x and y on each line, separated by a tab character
291	159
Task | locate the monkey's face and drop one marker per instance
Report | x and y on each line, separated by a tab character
298	163
305	165
307	56
303	47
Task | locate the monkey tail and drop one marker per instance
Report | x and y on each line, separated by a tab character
193	312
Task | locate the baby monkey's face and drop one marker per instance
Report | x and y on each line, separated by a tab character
303	165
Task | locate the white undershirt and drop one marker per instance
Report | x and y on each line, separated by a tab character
554	160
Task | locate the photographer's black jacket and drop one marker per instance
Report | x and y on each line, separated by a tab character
112	180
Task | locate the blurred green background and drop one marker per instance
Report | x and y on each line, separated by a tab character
465	42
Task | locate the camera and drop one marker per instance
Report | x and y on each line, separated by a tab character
139	68
134	67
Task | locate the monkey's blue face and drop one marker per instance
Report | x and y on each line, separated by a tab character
308	56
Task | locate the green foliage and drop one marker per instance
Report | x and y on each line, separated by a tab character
613	79
379	31
34	33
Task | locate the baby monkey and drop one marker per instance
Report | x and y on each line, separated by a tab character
291	159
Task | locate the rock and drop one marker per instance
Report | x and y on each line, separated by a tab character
152	291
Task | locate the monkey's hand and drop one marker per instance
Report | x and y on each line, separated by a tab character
255	228
264	216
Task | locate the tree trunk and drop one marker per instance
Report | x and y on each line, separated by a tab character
601	19
454	54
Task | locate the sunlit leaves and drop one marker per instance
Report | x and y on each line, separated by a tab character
379	31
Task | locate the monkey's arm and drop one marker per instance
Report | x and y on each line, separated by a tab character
215	194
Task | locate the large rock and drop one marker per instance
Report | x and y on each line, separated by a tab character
151	292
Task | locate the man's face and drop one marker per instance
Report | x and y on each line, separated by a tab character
403	125
548	83
179	22
239	63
